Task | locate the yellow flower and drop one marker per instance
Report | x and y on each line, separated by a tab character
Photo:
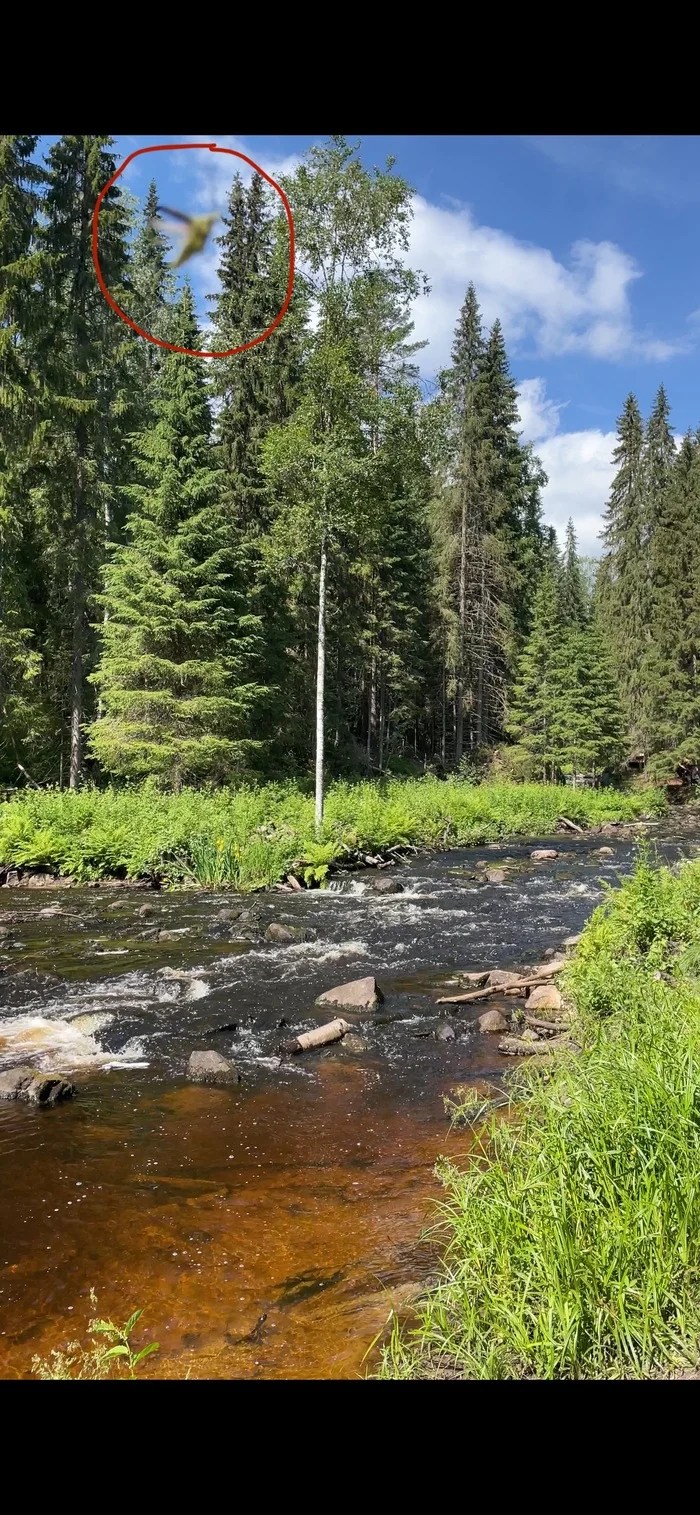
220	845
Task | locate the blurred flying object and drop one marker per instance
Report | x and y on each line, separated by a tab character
198	229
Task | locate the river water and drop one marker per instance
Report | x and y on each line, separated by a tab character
301	1194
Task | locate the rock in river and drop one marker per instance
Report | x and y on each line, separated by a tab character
353	1043
278	932
211	1068
543	854
546	997
445	1033
492	1020
360	994
499	978
35	1088
384	885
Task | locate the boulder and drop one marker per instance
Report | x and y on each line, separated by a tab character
211	1068
174	935
385	885
495	875
474	980
445	1033
34	1088
229	915
546	997
571	941
146	910
280	933
360	994
543	854
500	979
354	1043
492	1020
606	852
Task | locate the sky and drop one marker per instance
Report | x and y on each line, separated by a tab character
585	248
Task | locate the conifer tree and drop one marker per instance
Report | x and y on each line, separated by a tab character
588	726
623	589
153	285
537	696
23	724
672	668
87	354
572	590
174	675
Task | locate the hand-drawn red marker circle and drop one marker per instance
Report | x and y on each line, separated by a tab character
211	147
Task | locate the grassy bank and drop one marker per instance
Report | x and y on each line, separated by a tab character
248	838
573	1242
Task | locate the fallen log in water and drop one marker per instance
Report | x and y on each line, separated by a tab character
564	820
319	1037
517	1046
521	984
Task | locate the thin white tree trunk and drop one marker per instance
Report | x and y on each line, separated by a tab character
320	685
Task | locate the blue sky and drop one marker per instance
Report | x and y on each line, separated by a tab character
586	248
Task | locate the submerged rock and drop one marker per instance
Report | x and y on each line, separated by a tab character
144	910
543	854
606	852
445	1033
359	994
384	885
354	1043
35	1088
501	979
492	1020
212	1068
279	932
474	980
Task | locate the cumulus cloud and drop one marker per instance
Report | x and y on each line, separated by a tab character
555	308
578	464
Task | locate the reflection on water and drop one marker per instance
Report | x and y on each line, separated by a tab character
299	1195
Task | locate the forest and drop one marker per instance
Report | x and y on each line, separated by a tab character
305	557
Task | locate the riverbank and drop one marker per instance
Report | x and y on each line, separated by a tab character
572	1241
252	838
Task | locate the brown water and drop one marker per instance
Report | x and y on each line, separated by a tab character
300	1195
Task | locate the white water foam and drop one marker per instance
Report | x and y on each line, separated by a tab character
56	1045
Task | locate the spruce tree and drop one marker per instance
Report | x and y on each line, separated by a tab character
572	590
88	359
672	668
623	590
23	728
588	726
153	285
536	701
174	674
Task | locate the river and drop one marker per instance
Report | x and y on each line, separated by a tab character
301	1194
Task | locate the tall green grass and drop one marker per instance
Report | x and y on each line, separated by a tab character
249	837
573	1239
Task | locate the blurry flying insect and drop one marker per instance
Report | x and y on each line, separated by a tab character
198	229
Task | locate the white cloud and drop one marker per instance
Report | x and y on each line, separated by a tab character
579	466
554	308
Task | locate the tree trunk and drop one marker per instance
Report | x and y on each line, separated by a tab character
480	678
76	682
459	692
381	721
444	716
371	710
320	685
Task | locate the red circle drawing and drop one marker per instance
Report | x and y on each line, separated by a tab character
211	147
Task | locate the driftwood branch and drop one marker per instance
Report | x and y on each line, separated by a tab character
522	983
564	819
319	1037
